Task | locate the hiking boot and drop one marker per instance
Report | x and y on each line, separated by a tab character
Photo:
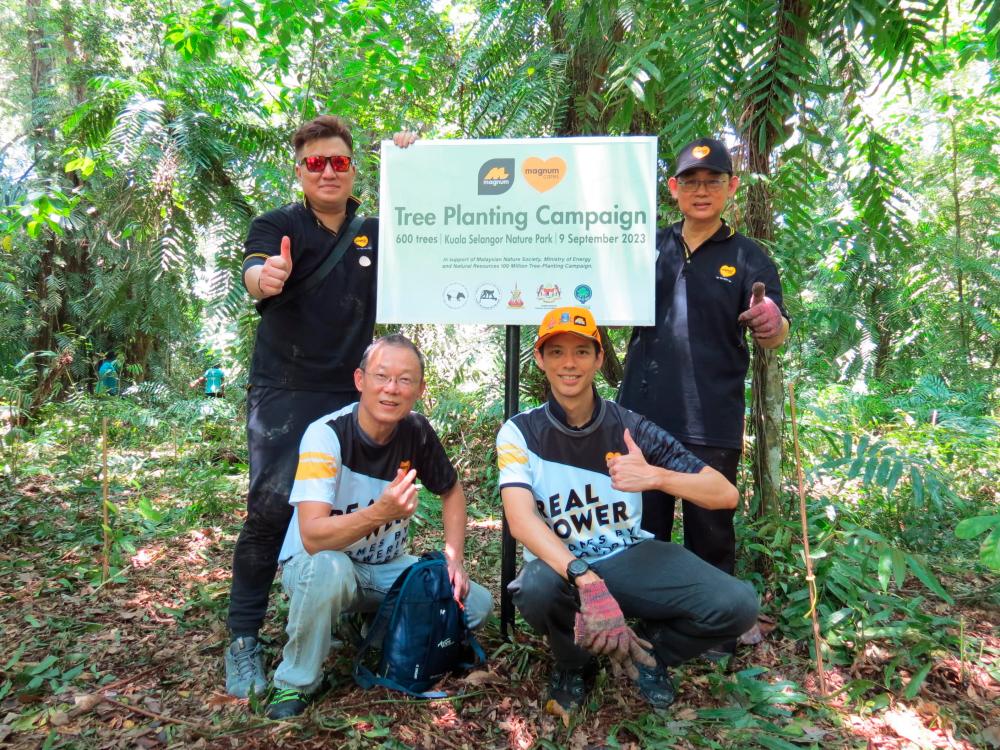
245	667
286	703
655	685
568	686
720	653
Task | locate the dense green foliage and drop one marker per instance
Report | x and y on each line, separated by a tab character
139	140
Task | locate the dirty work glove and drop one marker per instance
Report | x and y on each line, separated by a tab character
763	317
601	629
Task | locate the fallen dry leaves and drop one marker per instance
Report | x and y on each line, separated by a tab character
151	647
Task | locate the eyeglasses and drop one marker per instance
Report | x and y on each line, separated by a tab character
381	380
318	163
712	184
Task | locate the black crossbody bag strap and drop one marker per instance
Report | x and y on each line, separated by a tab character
321	272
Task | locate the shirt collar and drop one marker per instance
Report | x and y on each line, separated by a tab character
724	232
353	204
560	414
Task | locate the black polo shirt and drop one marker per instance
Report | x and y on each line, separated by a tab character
315	341
687	373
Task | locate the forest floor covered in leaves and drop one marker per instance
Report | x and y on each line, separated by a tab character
136	662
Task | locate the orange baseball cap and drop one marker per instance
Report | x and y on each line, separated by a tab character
578	320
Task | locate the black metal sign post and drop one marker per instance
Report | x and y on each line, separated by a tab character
508	547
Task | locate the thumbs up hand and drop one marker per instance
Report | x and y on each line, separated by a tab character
630	472
763	316
276	270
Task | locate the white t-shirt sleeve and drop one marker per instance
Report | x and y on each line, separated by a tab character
319	466
512	457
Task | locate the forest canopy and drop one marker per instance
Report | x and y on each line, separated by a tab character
139	139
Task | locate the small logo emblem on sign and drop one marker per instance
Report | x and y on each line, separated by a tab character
455	295
488	296
496	176
583	293
549	295
543	175
515	302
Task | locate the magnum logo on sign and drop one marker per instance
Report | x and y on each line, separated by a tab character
544	174
496	176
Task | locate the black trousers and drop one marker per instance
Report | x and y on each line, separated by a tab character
685	610
707	533
276	420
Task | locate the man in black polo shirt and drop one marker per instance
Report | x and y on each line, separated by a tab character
307	348
687	372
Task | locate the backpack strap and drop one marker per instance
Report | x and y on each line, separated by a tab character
321	272
367	679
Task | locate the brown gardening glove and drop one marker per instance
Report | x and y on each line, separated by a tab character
601	629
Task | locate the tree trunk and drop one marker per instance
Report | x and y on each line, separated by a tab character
40	62
963	325
759	135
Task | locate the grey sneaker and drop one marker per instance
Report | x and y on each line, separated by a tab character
245	668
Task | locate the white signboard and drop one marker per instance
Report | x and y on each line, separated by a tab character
498	231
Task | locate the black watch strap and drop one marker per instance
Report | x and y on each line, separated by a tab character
575	569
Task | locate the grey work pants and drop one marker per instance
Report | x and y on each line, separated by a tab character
685	605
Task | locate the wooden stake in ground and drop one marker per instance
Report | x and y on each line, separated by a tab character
105	562
810	578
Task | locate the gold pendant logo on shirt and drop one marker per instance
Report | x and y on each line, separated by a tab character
727	271
361	240
404	466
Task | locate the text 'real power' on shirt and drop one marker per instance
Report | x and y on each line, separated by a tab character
343	467
688	371
566	471
315	341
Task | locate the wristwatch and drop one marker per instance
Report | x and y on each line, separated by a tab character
575	569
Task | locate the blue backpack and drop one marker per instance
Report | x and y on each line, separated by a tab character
421	631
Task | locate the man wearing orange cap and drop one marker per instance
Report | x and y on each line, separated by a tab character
572	473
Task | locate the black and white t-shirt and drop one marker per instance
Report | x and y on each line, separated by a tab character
566	470
340	465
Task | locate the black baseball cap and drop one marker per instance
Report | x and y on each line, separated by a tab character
704	153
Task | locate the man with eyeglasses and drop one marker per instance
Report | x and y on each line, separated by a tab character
355	491
687	372
311	267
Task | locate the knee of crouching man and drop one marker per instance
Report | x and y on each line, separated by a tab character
332	574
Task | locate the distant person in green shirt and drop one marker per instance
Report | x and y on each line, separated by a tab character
214	382
107	376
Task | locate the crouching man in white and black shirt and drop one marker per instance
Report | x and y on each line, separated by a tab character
572	473
354	493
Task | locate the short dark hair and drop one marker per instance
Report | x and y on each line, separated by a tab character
393	339
324	126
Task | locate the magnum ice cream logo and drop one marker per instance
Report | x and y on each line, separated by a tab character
545	174
700	152
496	176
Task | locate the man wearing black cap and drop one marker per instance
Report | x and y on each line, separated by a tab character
687	372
